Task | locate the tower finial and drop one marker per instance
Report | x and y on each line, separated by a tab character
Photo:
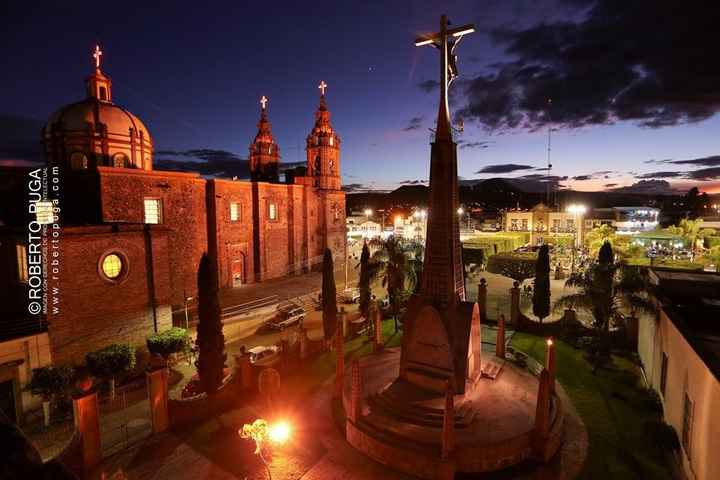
322	87
263	102
97	53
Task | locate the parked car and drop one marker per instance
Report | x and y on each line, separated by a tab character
351	295
261	353
287	316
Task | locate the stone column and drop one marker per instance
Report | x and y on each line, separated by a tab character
245	368
550	361
482	299
500	341
377	320
515	304
87	424
355	392
339	363
303	343
542	413
448	431
157	385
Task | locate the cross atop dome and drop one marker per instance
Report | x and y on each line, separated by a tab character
322	87
97	53
263	102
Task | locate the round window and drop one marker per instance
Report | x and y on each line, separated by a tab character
112	266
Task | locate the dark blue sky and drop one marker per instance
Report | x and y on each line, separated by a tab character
194	71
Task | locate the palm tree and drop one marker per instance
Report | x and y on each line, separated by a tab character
691	231
392	264
606	289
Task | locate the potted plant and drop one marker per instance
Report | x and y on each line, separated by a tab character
168	342
47	382
111	362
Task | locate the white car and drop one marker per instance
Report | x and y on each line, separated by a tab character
260	353
288	316
351	295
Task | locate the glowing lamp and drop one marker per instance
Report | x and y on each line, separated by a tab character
549	342
463	32
420	43
460	211
279	432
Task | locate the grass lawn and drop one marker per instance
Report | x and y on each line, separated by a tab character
613	409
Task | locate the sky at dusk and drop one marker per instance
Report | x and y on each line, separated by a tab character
635	91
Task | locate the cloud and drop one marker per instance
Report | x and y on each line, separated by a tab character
701	174
20	143
356	188
610	185
503	168
582	178
413	182
429	85
665	174
481	144
650	77
415	123
205	161
648	187
710	161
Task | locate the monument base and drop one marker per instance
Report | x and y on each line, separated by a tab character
401	422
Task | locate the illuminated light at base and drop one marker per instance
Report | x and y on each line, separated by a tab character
280	432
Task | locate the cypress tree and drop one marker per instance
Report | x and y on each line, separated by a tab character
364	283
210	339
541	291
329	296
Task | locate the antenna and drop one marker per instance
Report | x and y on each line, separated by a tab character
549	148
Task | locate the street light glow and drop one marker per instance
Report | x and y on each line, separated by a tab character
368	212
460	211
420	43
279	432
463	32
579	209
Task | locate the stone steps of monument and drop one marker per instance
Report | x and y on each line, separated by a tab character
379	428
417	415
462	410
491	370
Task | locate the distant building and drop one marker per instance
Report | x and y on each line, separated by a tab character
359	227
680	354
631	220
541	222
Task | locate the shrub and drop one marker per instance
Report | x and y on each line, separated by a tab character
663	434
111	361
173	340
49	381
519	267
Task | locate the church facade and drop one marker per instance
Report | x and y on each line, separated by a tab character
132	236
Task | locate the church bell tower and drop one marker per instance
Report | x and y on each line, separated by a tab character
264	152
323	149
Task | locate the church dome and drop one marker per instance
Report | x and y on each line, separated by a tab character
96	131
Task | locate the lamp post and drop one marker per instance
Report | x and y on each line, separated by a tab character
577	211
260	431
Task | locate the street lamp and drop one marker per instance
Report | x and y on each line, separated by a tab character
368	212
578	211
260	431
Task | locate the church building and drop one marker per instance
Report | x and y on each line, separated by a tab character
131	237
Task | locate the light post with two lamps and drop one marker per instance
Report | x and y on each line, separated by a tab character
578	211
260	431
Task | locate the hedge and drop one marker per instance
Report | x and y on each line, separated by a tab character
111	361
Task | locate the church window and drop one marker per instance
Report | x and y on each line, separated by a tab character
331	141
272	211
112	266
78	161
22	262
120	160
687	424
153	211
234	212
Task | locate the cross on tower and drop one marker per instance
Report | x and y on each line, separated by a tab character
263	101
446	40
322	87
96	55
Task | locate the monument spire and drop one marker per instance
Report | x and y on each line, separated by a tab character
442	280
264	152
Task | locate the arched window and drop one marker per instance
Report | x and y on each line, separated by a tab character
78	161
120	160
103	93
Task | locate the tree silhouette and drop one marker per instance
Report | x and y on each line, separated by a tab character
210	339
541	290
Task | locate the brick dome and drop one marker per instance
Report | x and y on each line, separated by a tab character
97	132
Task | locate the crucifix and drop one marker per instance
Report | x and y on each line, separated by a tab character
96	55
322	87
263	102
445	40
